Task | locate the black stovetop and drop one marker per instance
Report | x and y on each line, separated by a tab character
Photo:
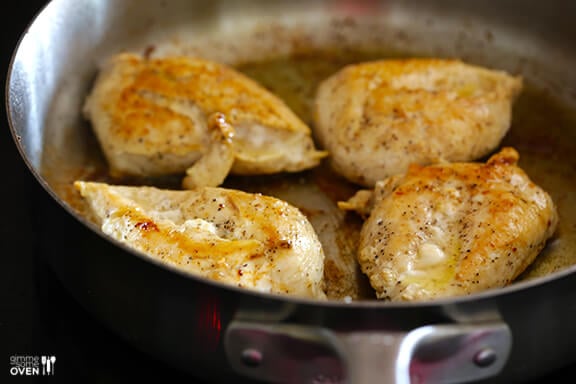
37	315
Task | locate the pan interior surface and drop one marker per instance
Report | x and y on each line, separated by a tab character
290	47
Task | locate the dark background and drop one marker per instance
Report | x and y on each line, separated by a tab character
37	316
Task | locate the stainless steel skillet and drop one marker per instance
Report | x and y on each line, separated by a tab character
223	333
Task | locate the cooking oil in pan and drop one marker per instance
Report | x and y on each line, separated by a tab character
543	132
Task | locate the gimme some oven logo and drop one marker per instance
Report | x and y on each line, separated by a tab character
23	365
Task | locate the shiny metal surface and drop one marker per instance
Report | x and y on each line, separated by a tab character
435	354
57	59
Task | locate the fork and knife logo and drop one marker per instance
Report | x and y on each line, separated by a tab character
48	364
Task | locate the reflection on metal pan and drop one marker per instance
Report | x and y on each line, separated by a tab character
56	62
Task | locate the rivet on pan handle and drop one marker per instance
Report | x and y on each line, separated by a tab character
447	353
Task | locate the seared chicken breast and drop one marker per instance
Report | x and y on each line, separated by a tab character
376	118
452	229
152	116
248	240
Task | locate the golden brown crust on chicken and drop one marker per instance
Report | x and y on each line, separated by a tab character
454	229
150	116
377	118
248	240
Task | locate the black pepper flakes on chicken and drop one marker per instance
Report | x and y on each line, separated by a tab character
452	229
154	117
376	118
249	240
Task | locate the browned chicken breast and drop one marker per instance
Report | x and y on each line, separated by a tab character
248	240
152	117
452	229
377	118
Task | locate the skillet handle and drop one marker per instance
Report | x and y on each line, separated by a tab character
446	353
